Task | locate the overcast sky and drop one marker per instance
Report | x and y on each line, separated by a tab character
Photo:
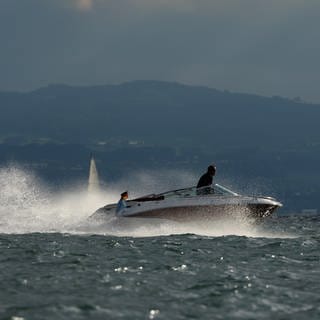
268	47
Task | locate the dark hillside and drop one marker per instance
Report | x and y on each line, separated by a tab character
159	112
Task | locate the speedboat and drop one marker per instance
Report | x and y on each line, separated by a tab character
193	204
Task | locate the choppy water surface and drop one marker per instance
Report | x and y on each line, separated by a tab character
65	276
56	265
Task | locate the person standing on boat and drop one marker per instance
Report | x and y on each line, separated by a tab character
122	204
206	180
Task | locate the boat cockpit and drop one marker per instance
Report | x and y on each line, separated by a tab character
214	190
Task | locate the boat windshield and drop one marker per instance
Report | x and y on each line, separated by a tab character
216	189
223	190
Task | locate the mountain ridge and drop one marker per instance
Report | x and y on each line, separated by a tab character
142	109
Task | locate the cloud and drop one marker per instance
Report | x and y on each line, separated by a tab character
269	47
84	4
140	5
211	7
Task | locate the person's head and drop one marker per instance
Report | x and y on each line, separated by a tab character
212	170
124	195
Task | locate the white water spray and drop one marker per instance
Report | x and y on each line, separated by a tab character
93	182
27	205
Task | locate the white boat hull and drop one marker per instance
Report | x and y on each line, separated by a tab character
194	209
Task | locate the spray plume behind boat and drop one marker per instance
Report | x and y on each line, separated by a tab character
93	181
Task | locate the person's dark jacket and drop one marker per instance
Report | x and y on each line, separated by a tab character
205	180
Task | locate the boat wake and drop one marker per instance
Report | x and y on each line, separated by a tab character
27	206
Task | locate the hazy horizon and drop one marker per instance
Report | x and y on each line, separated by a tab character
269	49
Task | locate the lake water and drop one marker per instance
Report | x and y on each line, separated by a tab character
186	276
54	264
